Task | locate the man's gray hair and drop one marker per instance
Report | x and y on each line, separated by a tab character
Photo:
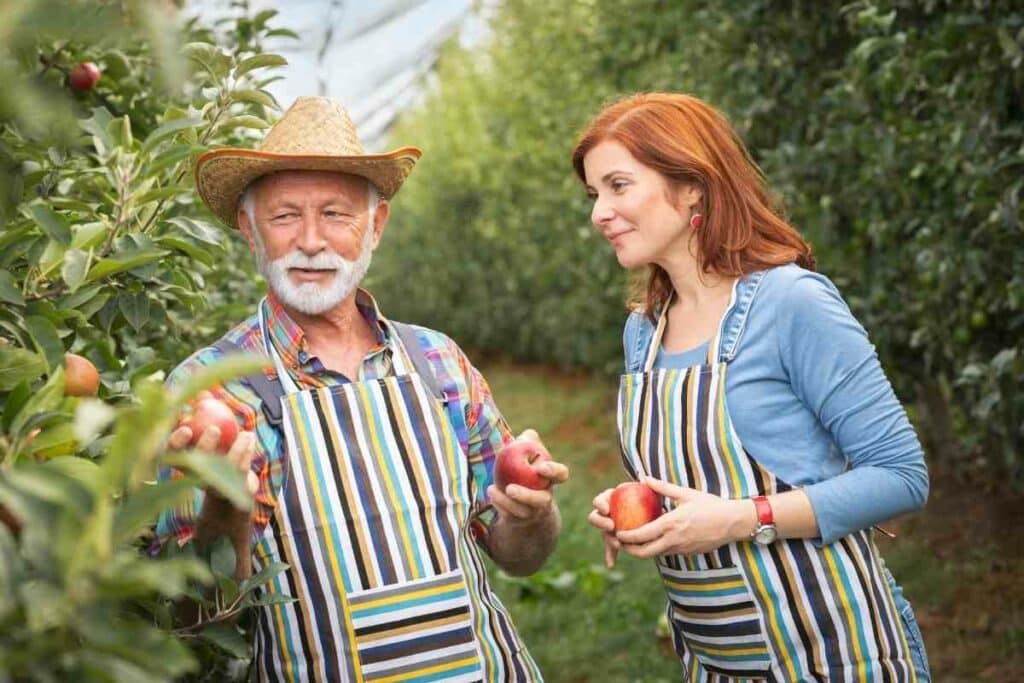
248	203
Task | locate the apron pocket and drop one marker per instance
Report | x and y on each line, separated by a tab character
713	613
419	628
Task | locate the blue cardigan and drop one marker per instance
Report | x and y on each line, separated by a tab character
809	399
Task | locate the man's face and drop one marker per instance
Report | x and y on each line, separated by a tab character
312	235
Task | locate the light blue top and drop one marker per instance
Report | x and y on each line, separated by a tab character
809	399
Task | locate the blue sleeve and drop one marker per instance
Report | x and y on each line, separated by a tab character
834	369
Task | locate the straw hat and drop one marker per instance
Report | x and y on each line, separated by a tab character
315	134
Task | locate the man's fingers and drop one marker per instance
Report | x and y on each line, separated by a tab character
555	472
179	438
209	439
252	483
508	507
529	497
529	435
240	454
602	502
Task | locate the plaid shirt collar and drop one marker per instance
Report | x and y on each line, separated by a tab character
289	339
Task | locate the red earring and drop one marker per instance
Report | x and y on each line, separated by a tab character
696	220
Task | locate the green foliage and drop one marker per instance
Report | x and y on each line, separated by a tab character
892	129
105	252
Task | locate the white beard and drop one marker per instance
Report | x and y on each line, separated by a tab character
309	297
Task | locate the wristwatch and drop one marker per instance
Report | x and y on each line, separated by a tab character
765	532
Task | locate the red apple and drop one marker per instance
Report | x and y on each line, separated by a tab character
209	412
84	76
632	505
80	376
517	464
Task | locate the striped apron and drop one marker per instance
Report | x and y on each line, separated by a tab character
789	611
384	582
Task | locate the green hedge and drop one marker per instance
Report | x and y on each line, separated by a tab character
891	130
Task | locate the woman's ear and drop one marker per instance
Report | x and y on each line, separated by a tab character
689	197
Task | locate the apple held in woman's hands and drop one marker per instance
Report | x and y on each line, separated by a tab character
632	505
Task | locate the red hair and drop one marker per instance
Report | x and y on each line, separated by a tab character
691	143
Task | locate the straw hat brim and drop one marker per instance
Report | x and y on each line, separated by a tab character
223	174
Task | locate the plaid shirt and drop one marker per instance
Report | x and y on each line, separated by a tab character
486	433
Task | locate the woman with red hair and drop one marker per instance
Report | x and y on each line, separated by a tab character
754	404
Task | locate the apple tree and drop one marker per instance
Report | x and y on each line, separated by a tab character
111	272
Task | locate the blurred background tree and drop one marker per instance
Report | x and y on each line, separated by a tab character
891	129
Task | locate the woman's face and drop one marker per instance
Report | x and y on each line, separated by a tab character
635	209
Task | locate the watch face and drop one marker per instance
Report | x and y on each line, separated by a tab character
765	534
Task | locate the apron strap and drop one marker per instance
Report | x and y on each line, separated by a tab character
655	344
407	334
270	391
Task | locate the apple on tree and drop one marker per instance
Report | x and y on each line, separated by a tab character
517	464
80	376
632	505
84	77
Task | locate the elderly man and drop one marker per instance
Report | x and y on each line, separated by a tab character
370	449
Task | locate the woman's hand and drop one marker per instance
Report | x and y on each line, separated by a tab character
600	519
699	523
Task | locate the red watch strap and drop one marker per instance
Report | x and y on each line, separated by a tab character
764	510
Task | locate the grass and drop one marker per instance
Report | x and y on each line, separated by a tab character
580	621
959	561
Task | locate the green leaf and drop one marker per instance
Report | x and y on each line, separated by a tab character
89	235
283	33
263	576
215	471
166	130
210	57
76	264
254	96
230	367
201	230
222	557
53	224
17	398
144	505
259	62
19	365
243	121
184	246
54	441
122	261
9	291
44	400
227	637
46	339
81	469
135	308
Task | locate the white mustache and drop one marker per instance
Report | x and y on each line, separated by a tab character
325	260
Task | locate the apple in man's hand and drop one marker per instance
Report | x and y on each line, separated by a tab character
517	464
210	412
632	505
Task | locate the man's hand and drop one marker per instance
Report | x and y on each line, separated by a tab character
218	516
523	506
528	520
